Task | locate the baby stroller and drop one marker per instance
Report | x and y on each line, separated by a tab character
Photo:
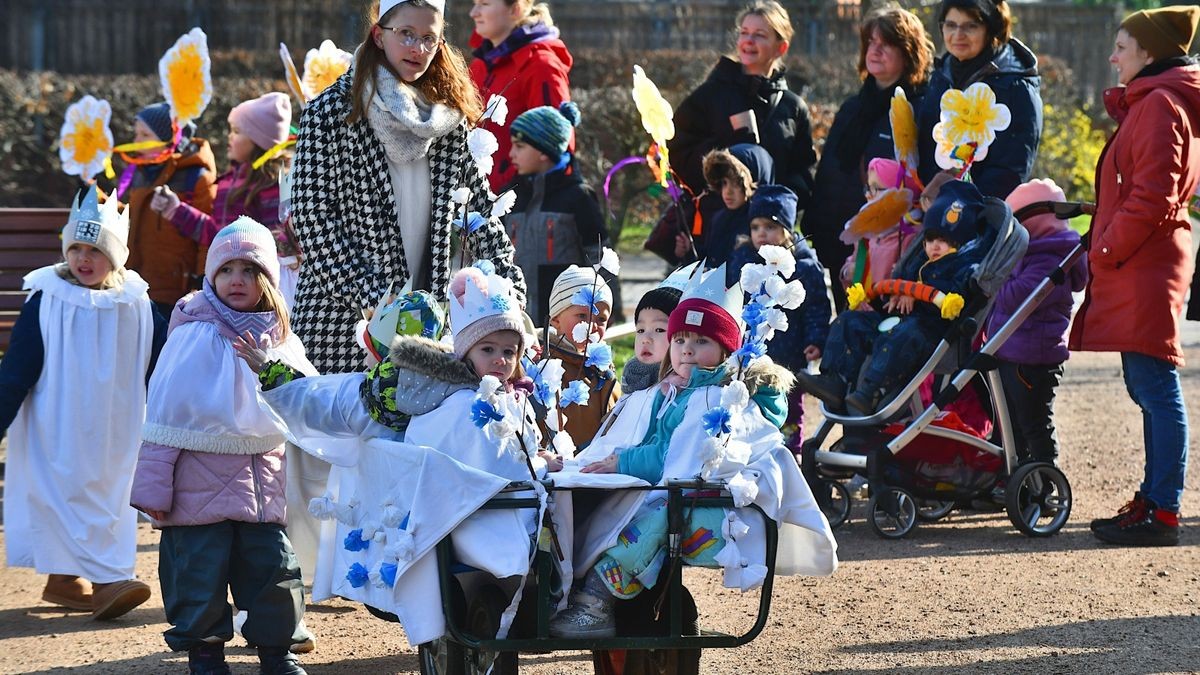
920	462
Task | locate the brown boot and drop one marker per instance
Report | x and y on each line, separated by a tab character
112	600
68	591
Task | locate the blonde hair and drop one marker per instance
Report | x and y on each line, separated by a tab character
114	279
536	12
666	368
446	81
776	17
272	301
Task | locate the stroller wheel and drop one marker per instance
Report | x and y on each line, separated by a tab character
933	510
893	513
834	501
1038	499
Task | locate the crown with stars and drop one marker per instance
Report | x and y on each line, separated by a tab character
103	226
710	285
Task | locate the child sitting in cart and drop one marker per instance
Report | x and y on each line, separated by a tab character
703	419
900	343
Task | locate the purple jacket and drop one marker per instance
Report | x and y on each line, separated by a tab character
201	488
1042	339
202	227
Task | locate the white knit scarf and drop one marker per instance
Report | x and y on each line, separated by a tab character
403	121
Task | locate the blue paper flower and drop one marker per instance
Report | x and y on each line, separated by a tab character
483	412
599	355
358	575
474	222
749	351
574	393
752	314
586	297
387	572
355	542
485	266
542	393
716	421
404	523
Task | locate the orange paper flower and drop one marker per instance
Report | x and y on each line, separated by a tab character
878	215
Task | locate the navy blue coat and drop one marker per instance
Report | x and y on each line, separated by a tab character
1013	76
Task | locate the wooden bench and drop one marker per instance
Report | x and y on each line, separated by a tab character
29	239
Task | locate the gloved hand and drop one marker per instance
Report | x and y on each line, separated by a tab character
165	201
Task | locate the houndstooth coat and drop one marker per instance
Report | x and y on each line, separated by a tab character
345	218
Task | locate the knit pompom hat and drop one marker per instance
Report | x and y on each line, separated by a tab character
475	293
243	239
571	281
1164	32
1038	190
547	129
264	120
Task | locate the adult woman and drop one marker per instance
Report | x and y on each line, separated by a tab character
1140	253
518	55
980	48
894	51
745	99
378	156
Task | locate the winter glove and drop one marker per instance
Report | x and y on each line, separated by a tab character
164	201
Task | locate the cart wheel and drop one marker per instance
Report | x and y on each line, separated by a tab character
834	500
440	657
933	510
483	620
1038	498
893	513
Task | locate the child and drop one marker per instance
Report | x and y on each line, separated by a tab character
772	218
659	434
951	224
73	394
650	346
211	468
167	260
734	174
570	325
556	220
882	249
1031	361
258	134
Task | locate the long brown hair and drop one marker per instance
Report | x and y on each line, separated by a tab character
901	29
272	301
446	81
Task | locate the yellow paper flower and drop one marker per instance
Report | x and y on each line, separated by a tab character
185	75
878	215
86	142
855	296
323	66
954	156
973	116
657	117
904	129
952	306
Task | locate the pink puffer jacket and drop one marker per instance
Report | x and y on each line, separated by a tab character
201	488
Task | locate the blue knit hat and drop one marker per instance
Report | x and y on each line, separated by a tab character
776	203
547	129
157	116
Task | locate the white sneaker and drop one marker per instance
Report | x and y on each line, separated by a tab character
589	614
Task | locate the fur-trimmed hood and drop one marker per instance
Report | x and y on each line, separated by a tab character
425	357
419	375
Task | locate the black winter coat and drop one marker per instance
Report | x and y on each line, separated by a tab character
702	124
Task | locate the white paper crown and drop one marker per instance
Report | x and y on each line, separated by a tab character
710	285
386	5
89	219
477	303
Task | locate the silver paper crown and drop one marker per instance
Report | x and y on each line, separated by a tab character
710	285
89	218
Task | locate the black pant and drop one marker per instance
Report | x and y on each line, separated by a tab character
1029	393
253	560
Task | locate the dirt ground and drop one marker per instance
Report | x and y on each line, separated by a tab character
968	594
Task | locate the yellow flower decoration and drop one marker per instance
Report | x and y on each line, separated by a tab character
657	117
973	116
904	129
291	75
323	66
878	215
186	78
954	156
952	305
86	142
855	296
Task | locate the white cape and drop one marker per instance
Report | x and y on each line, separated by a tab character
74	443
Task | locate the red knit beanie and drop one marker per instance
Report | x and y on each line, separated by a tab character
706	318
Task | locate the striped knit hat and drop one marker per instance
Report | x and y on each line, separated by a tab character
243	239
571	281
547	129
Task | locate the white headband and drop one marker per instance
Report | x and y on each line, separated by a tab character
386	6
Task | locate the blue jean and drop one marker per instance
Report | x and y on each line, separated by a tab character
1153	384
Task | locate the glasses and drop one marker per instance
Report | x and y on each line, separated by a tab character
410	39
965	28
872	190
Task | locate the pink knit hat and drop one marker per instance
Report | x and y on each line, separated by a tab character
265	120
243	239
888	171
1038	190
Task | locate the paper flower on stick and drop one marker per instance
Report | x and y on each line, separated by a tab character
969	118
657	117
86	142
954	156
878	215
186	78
904	129
323	66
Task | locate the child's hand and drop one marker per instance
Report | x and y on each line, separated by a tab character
812	353
553	462
899	304
606	465
248	350
164	200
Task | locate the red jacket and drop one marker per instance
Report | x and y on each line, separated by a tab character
1140	258
531	75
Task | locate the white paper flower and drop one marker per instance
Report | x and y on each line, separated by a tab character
323	66
503	204
348	513
402	548
460	195
488	387
564	445
323	508
609	261
791	295
392	516
772	287
753	276
496	110
482	144
743	489
552	372
779	259
86	141
776	318
579	333
376	578
735	395
184	72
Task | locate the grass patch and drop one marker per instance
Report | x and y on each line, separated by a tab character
632	236
1080	224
